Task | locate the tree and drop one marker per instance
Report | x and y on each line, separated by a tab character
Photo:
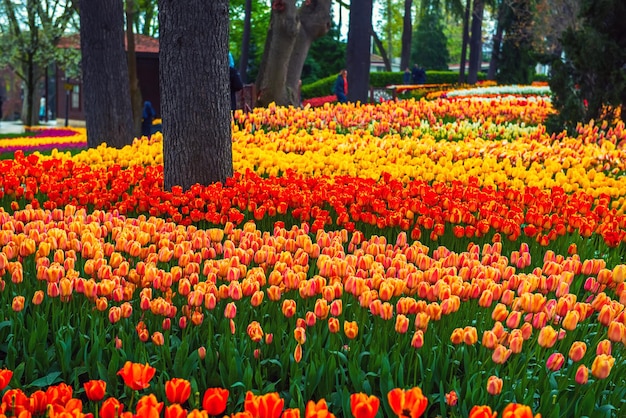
465	40
291	33
195	97
589	81
476	42
407	32
108	113
358	50
135	92
429	45
31	33
516	63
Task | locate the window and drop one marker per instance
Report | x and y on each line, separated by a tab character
75	97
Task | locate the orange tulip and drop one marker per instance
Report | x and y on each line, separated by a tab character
333	325
547	337
297	354
317	410
196	413
255	332
402	324
175	411
18	303
214	400
470	335
177	390
38	297
148	406
482	411
269	405
570	321
5	378
418	339
501	354
351	329
289	308
95	389
494	385
412	401
291	413
457	336
514	410
577	351
136	376
300	335
111	408
602	365
363	406
604	347
231	310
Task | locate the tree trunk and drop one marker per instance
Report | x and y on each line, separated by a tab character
475	42
466	17
497	40
195	92
407	34
135	92
381	49
108	112
271	83
245	43
315	22
358	50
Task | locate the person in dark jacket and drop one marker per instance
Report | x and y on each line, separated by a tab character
236	84
406	78
148	116
341	86
418	75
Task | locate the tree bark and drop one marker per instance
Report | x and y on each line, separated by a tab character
475	42
497	41
289	38
407	34
245	42
358	50
195	92
315	22
465	42
135	92
281	38
108	112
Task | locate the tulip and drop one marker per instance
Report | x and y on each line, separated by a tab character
457	336
317	410
547	337
177	390
482	411
555	362
582	375
571	320
18	303
290	413
470	335
333	325
351	329
407	402
111	408
602	365
616	331
418	339
5	377
364	406
577	351
136	376
514	410
214	400
175	411
490	340
494	385
38	297
501	354
149	406
604	347
297	353
402	324
451	398
231	310
95	390
289	308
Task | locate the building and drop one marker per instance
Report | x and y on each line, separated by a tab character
69	98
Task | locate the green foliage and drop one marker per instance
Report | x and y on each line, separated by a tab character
590	81
429	47
320	88
326	57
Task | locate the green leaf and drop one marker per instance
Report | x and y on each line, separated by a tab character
47	380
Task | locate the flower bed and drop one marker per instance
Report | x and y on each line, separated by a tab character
43	138
443	267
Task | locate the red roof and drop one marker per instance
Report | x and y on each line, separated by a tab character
143	43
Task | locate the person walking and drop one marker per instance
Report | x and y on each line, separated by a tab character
406	78
148	116
341	86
